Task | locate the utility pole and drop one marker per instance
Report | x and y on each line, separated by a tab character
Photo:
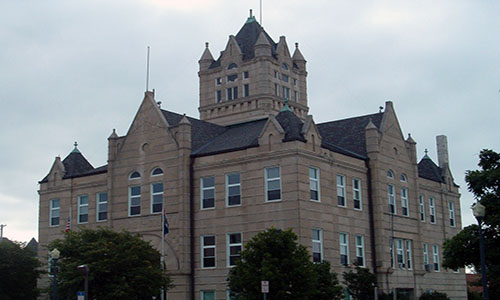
1	231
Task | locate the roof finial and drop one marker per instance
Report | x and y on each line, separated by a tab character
206	44
251	18
296	45
76	148
250	12
426	151
286	107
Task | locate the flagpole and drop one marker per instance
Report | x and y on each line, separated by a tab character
162	259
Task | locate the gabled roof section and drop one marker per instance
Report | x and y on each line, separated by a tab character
246	39
292	126
347	136
429	170
75	164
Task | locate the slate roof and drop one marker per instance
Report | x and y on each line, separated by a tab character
292	126
246	38
429	170
347	136
76	165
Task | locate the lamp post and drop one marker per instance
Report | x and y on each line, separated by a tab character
84	269
479	211
54	255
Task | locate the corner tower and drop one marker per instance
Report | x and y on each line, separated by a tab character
251	78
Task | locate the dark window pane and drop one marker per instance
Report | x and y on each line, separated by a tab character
232	77
274	195
157	171
208	182
157	207
135	190
357	204
359	260
103	216
234	200
341	200
316	257
83	218
54	221
235	238
135	210
209	262
314	195
208	202
343	259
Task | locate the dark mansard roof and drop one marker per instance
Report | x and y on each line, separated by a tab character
429	170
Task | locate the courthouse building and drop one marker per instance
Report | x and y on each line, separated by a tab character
353	190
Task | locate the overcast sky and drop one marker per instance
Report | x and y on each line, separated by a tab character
74	70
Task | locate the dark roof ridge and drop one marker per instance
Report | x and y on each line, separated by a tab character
352	118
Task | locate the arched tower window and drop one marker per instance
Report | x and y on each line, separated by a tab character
134	175
157	172
403	178
390	174
284	66
232	66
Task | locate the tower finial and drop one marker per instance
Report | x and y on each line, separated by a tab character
206	44
286	107
76	148
296	45
250	12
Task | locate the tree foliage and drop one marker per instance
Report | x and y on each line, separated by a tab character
275	256
121	265
18	271
360	284
463	249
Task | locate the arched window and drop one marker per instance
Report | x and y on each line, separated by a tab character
403	178
390	174
232	66
284	66
156	172
134	175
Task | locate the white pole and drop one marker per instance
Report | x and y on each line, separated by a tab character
1	231
162	259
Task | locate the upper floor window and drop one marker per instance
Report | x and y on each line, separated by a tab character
432	210
286	92
403	178
426	255
295	81
404	202
55	211
245	75
409	262
390	198
421	199
232	78
83	209
276	74
218	96
344	248
360	250
246	90
102	206
273	184
317	245
232	66
356	193
390	174
233	189
232	93
207	192
156	197
451	208
157	172
314	183
218	81
285	78
208	251
134	175
403	253
341	190
134	200
234	247
284	66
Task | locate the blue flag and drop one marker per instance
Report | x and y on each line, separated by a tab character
165	224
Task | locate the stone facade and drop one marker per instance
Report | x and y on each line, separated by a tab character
259	161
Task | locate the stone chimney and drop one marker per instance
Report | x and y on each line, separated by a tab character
442	150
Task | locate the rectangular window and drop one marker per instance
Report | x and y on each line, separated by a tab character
341	190
409	263
432	210
208	251
286	93
55	211
451	207
207	192
390	196
435	256
232	93
422	207
426	255
83	209
360	250
218	81
295	81
344	248
233	189
284	77
234	247
276	74
400	254
356	194
102	207
207	295
276	90
273	184
218	95
245	75
134	200
314	184
295	96
391	250
246	90
317	245
404	202
156	197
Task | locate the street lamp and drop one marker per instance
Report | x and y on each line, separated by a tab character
479	211
54	255
84	269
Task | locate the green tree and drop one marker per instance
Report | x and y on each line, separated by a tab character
360	284
18	271
121	265
463	249
275	256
